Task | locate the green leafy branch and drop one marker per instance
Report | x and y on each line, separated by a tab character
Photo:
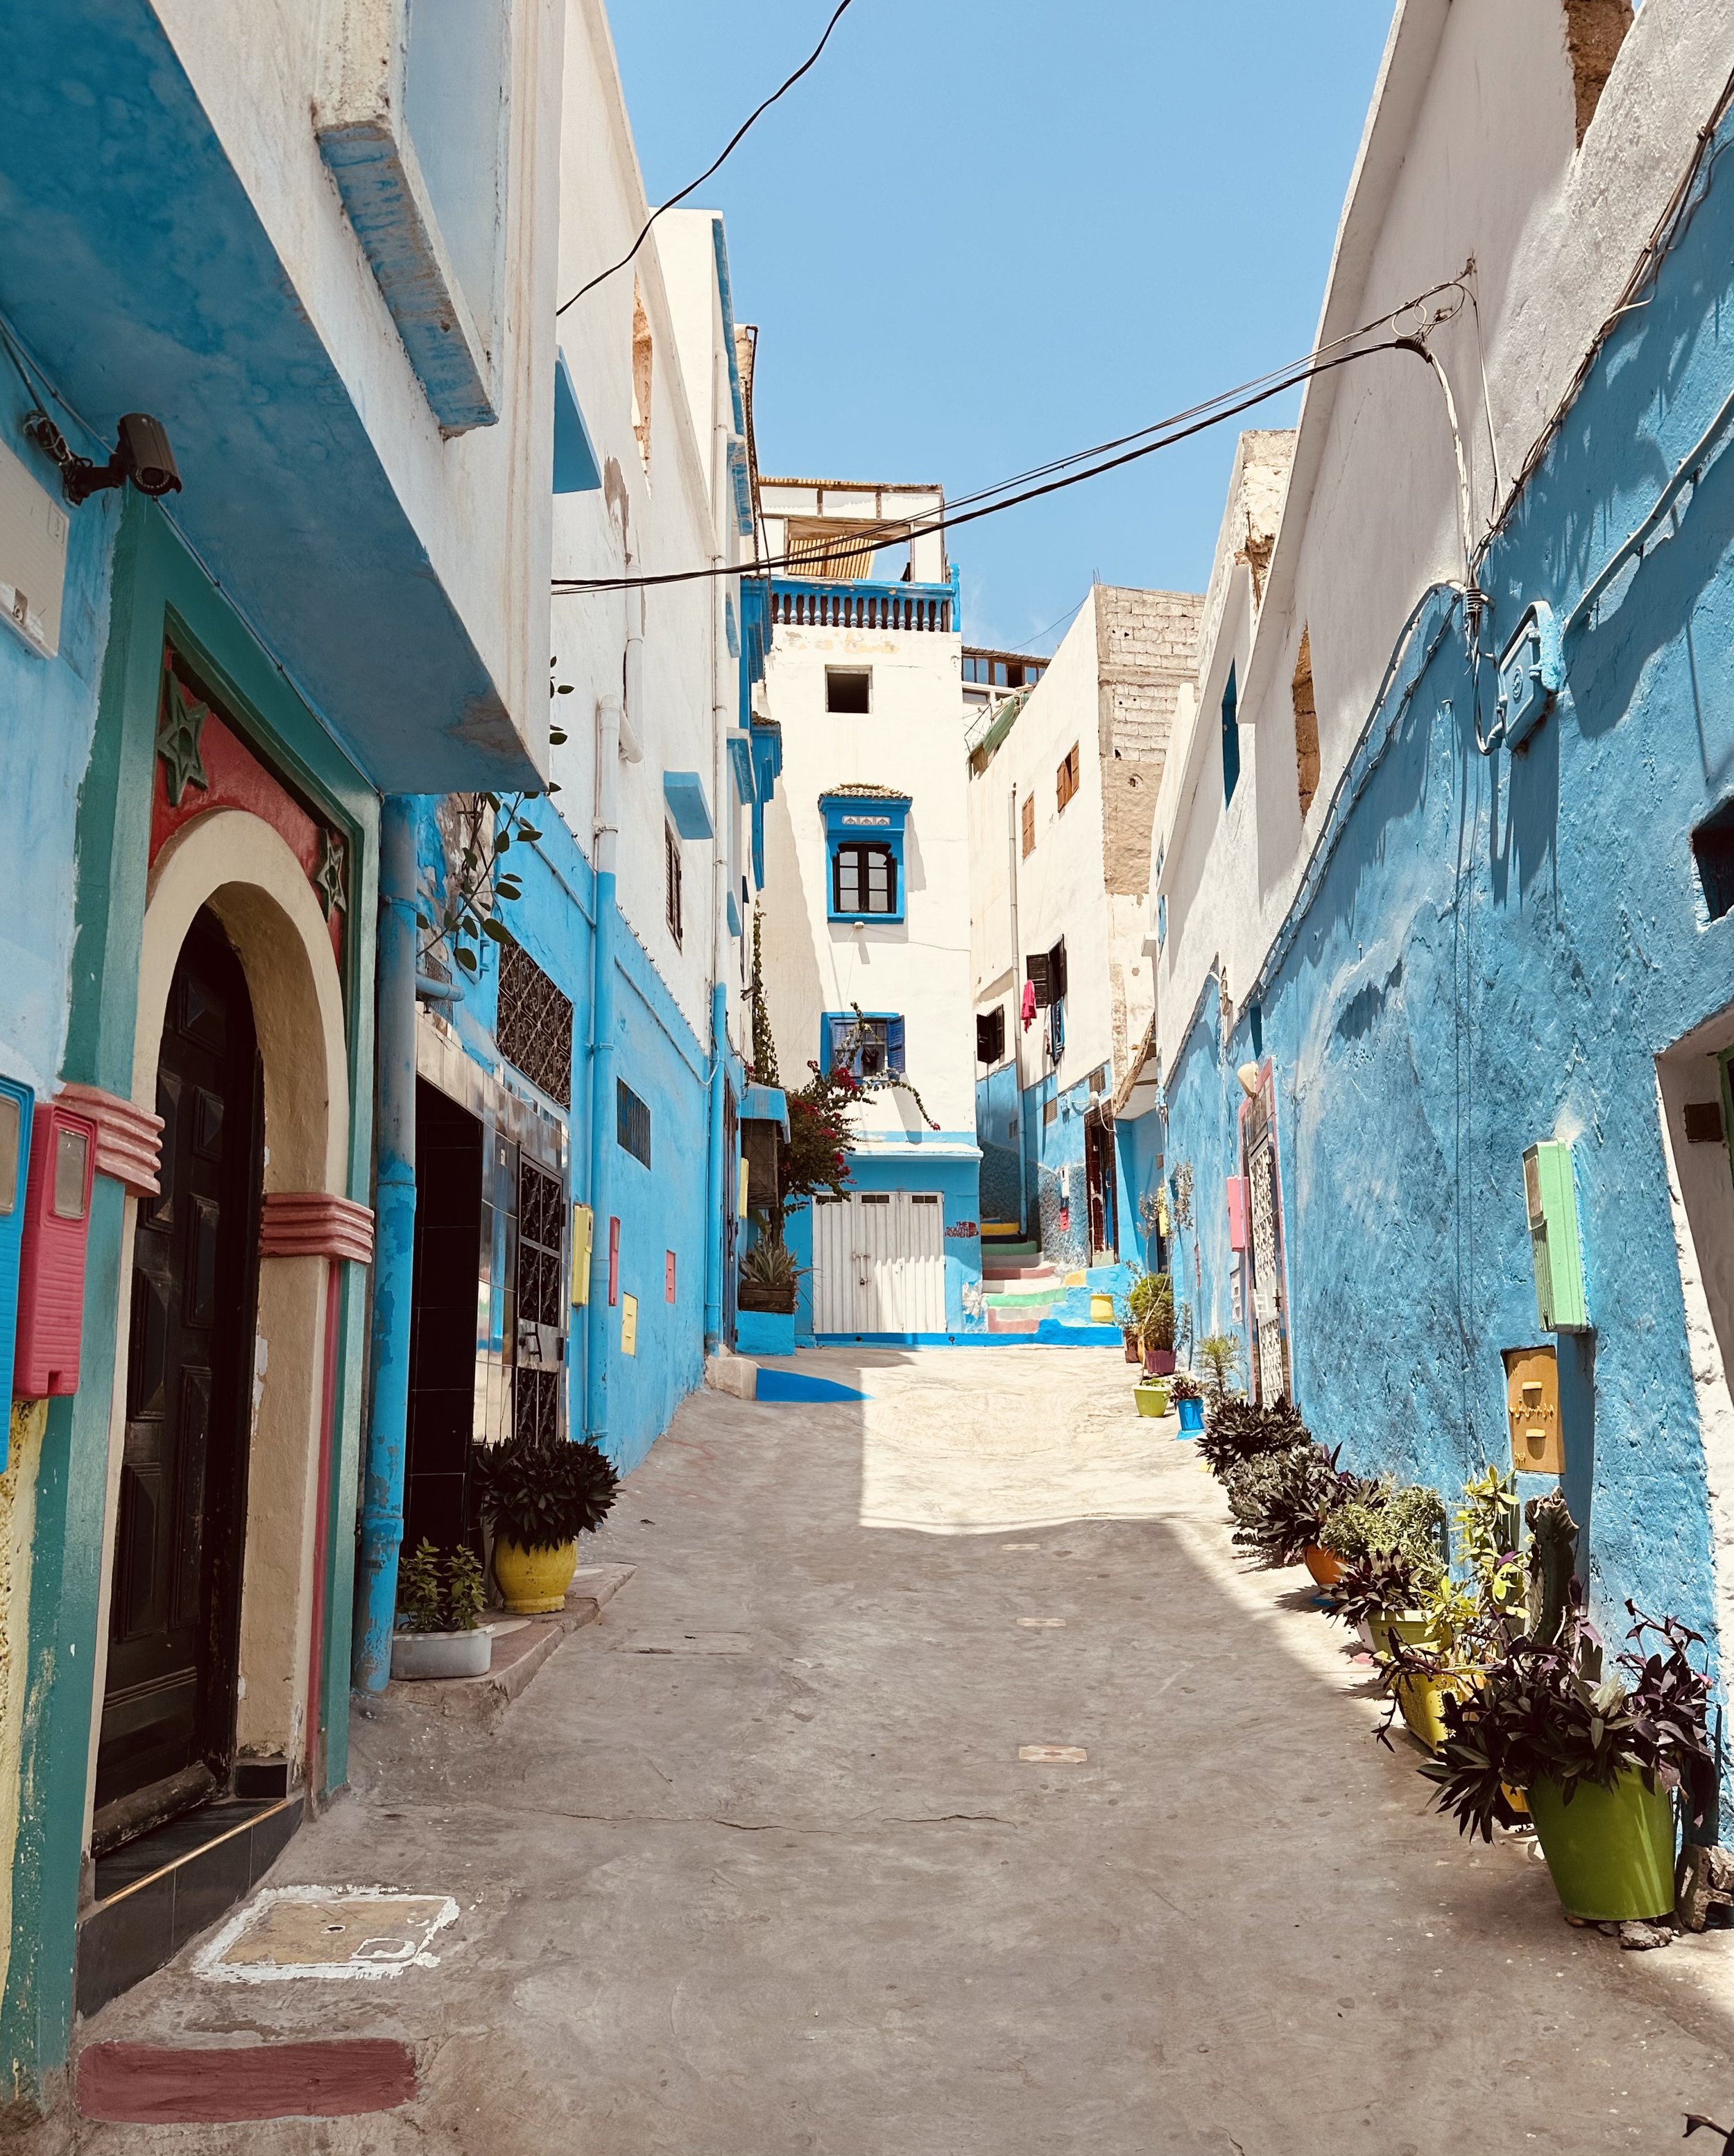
492	823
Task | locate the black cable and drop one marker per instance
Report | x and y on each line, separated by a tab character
1174	432
811	60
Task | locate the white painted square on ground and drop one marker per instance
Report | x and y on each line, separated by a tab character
326	1932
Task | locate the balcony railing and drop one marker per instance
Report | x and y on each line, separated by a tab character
795	605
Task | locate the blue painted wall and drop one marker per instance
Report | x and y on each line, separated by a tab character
999	1135
657	1053
48	721
1495	953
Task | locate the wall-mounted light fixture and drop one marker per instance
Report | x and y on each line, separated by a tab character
142	454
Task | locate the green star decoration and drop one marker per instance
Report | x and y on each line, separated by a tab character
328	876
177	738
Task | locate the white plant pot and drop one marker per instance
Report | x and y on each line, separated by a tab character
417	1654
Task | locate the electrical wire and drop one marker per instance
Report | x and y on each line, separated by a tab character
1226	404
947	521
811	61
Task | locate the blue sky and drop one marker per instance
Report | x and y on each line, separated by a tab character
984	233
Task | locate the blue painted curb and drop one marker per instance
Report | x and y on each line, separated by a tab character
790	1385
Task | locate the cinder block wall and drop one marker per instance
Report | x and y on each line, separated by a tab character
1147	646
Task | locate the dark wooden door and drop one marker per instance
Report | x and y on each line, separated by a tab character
1099	1181
169	1708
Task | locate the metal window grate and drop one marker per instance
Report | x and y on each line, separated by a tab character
541	1278
671	878
632	1121
534	1028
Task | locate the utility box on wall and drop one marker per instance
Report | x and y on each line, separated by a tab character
1532	1410
1550	1191
1238	1210
51	1255
15	1104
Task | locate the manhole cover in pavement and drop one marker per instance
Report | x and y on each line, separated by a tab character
328	1932
1054	1755
688	1643
1043	1623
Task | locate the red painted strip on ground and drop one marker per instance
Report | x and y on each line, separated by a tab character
145	2085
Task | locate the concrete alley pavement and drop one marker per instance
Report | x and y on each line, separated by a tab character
754	1866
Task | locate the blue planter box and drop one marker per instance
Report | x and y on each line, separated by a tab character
764	1333
1192	1417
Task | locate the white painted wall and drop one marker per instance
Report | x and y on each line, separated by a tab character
911	740
479	501
1059	884
1106	692
676	515
1470	151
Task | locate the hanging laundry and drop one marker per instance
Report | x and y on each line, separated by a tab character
1026	1009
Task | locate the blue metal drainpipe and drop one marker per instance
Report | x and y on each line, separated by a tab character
602	1076
719	1169
393	1247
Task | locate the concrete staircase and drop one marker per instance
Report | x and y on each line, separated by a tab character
1021	1286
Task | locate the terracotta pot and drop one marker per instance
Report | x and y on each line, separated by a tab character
1129	1334
533	1581
1325	1565
1159	1362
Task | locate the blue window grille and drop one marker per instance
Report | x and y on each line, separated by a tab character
870	1046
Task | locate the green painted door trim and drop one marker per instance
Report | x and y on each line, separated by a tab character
157	587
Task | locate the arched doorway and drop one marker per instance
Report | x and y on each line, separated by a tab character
168	1730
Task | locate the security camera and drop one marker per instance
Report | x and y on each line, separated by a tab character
141	454
145	451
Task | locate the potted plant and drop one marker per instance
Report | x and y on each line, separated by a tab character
770	1278
1220	1354
439	1607
1152	1395
1148	1323
539	1497
1188	1395
1594	1755
1282	1500
1126	1311
1238	1430
1404	1529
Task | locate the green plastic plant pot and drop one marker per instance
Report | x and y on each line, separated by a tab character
1611	1851
1153	1399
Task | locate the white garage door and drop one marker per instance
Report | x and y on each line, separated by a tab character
879	1263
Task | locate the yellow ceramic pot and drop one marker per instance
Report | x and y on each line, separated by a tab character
535	1580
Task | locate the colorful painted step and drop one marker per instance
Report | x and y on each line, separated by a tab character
1020	1322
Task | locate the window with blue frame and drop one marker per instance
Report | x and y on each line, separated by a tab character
864	832
870	1046
864	879
1230	739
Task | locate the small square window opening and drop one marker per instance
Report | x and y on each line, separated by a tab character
849	690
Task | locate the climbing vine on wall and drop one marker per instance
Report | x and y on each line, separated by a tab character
487	826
